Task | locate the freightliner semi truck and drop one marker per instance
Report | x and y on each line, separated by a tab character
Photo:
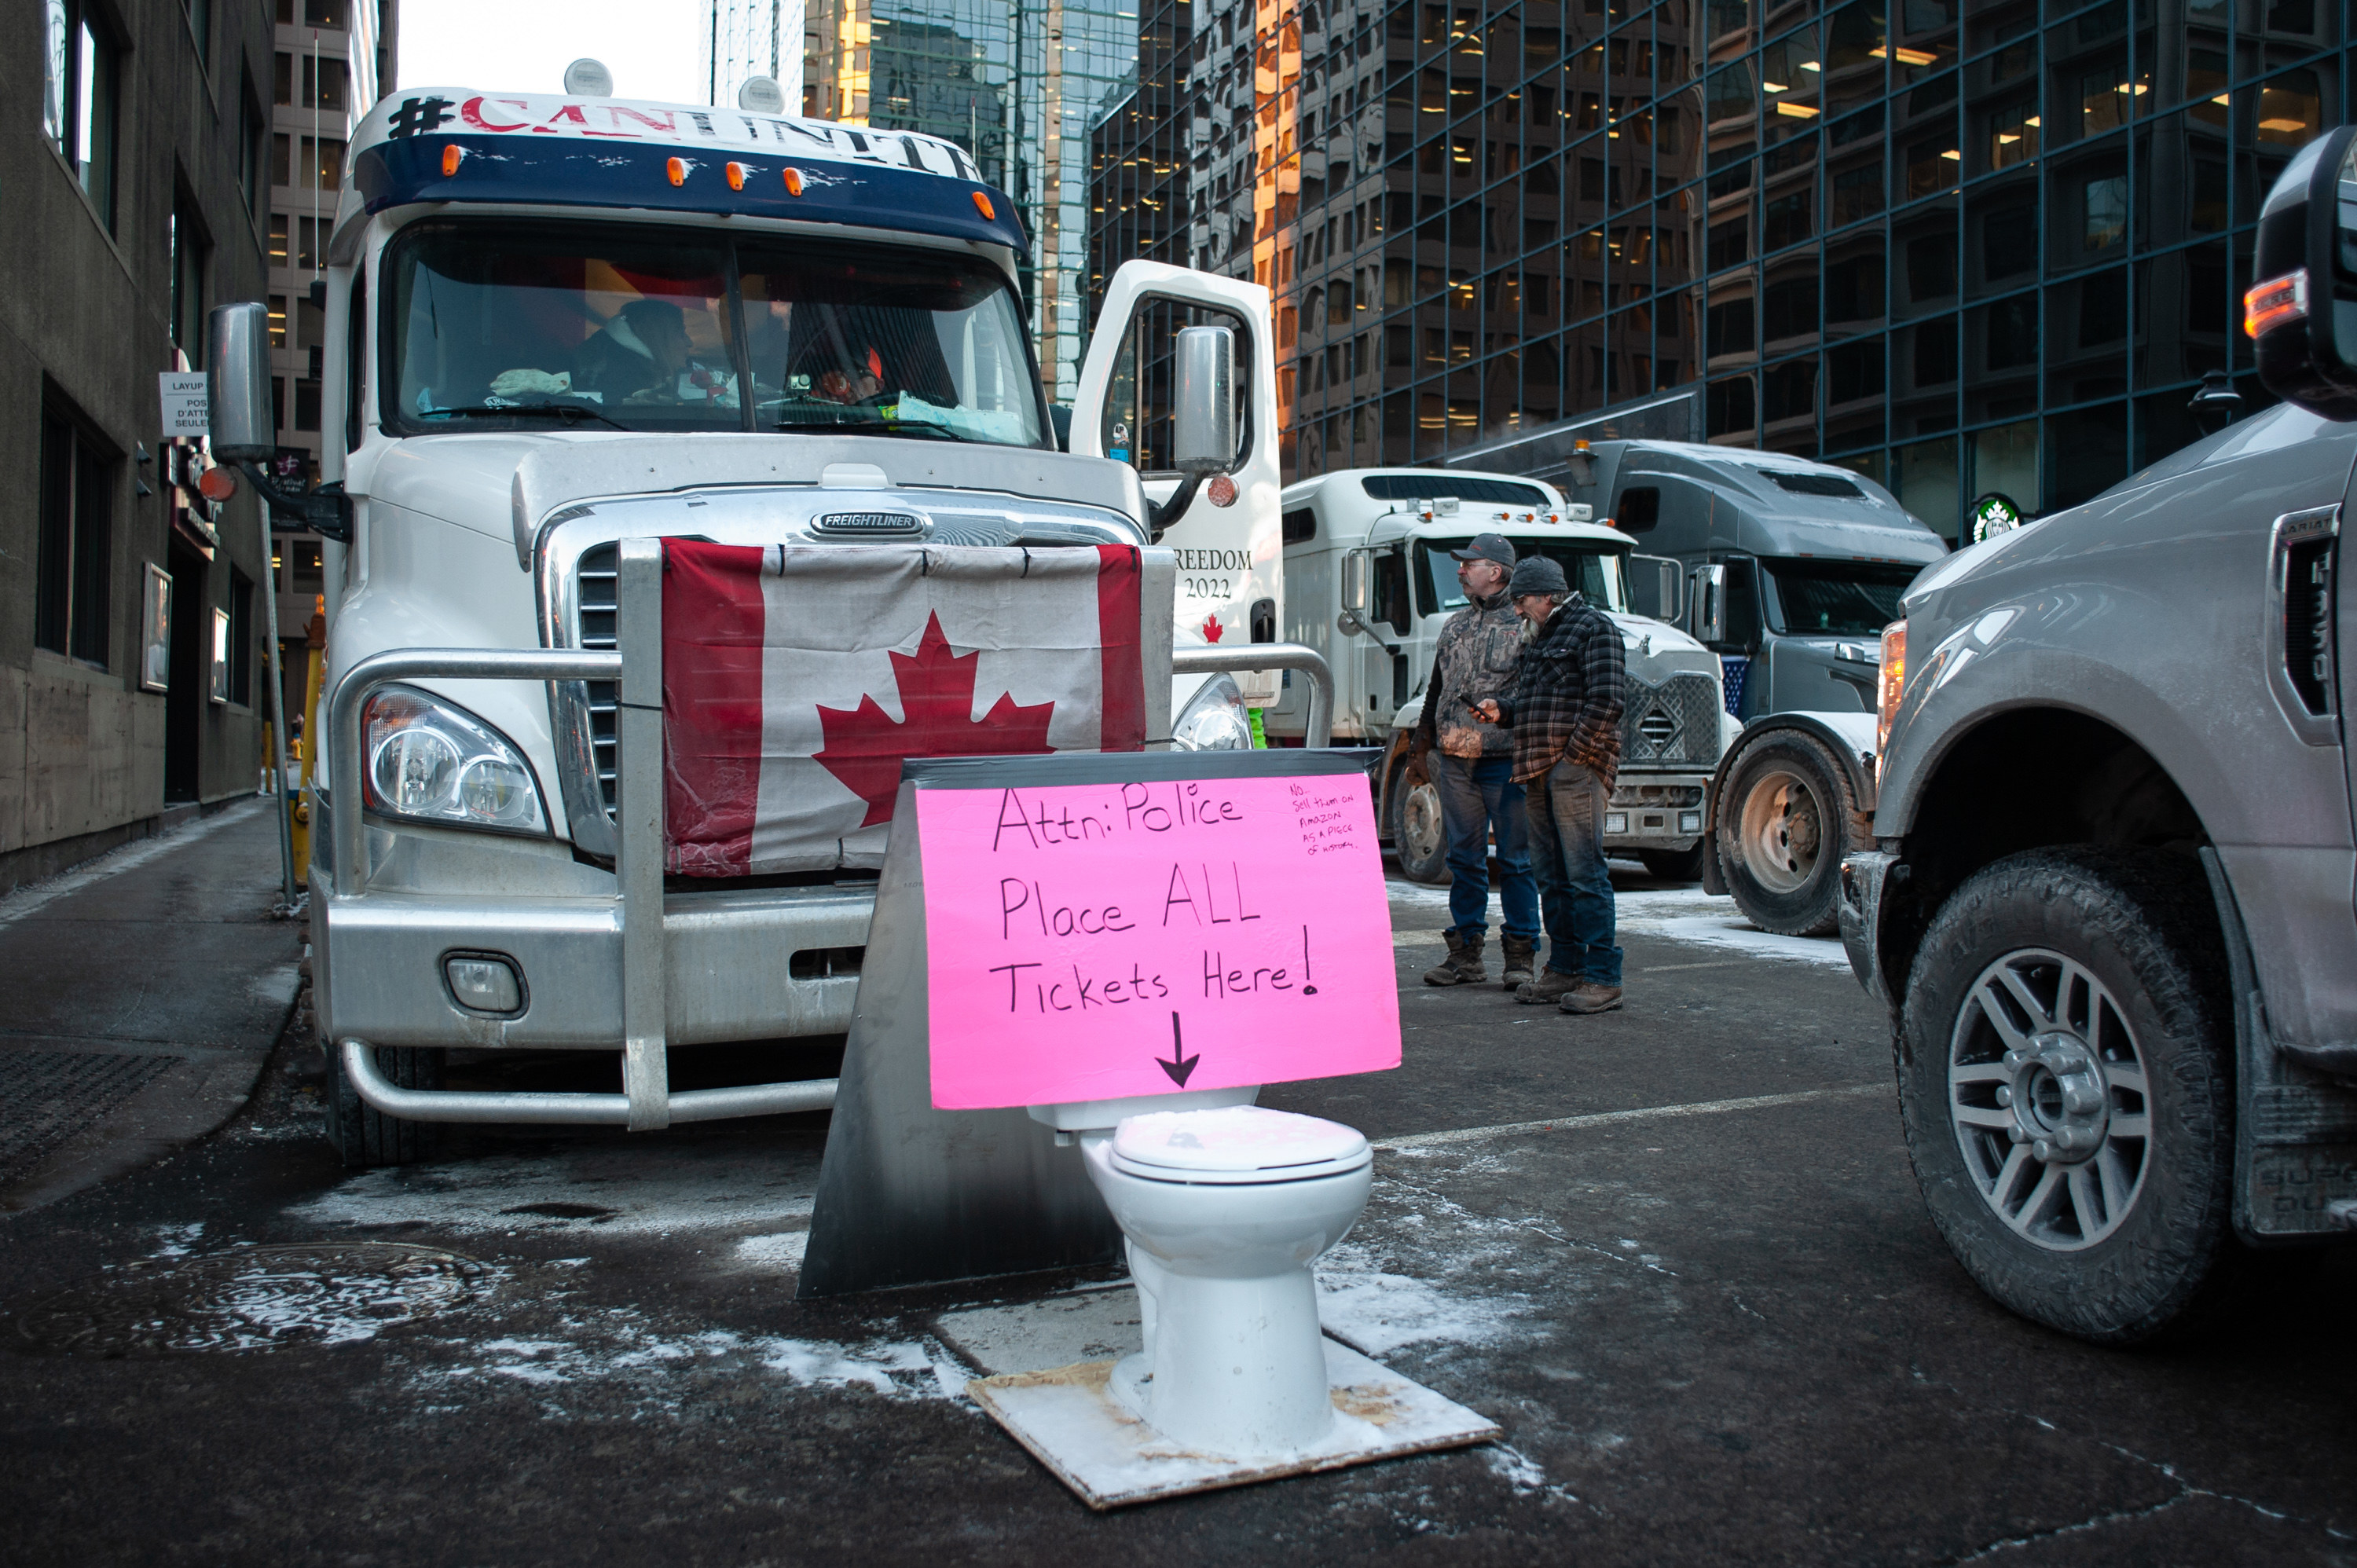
1370	582
564	324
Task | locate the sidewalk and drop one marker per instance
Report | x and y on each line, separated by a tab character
139	997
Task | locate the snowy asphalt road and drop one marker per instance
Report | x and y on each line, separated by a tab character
1674	1251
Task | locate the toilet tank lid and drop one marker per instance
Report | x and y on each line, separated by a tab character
1238	1140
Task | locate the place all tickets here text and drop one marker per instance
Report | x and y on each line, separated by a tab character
1091	941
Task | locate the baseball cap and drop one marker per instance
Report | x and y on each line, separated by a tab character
1487	547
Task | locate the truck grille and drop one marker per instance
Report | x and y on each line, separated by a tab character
595	596
1672	725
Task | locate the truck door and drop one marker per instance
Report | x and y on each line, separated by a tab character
1231	556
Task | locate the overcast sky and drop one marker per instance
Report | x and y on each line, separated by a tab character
654	48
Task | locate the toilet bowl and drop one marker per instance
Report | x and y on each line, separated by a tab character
1224	1207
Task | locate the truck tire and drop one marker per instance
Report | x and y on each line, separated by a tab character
2064	1080
1783	826
1673	865
1416	833
366	1137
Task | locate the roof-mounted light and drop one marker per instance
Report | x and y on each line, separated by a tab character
735	176
761	95
677	169
586	77
793	182
451	154
982	204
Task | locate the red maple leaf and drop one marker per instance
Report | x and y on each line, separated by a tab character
864	746
1211	628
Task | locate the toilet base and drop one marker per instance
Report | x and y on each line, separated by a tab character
1073	1421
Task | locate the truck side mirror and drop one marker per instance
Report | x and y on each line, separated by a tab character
2302	313
245	429
1204	439
1654	582
1357	592
1709	605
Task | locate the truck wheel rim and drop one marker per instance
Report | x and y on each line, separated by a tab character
1420	823
2046	1092
1783	830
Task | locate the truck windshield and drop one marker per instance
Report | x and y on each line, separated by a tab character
1596	574
511	327
1842	598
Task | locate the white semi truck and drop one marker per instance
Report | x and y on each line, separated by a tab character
566	323
1371	583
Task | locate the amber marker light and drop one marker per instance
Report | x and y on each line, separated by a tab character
2275	302
1889	687
793	182
451	154
982	204
736	177
677	169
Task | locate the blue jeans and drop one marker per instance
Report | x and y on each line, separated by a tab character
1475	796
1566	816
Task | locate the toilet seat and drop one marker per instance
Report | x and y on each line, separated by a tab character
1239	1145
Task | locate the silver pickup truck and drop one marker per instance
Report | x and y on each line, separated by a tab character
2109	900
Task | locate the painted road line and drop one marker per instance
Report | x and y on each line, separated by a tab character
1606	1118
1715	963
26	899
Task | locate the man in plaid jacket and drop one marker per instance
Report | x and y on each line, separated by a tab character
1565	711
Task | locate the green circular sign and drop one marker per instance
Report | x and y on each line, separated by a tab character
1991	515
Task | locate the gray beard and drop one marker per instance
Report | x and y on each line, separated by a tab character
1529	633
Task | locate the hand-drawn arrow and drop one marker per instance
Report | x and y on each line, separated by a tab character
1180	1066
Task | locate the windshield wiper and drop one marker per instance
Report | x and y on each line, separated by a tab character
528	410
873	427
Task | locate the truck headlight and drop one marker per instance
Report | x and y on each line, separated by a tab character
1889	687
432	762
1215	720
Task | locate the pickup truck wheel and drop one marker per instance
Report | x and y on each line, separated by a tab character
1673	865
2064	1082
366	1137
1416	833
1783	827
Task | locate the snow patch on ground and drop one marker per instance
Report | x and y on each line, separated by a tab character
1674	914
1376	1312
586	1190
782	1252
613	1347
178	1240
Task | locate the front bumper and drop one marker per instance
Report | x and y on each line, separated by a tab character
738	966
1655	812
1866	876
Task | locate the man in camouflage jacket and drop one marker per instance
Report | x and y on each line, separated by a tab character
1469	761
1564	710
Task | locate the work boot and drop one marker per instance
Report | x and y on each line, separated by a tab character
1589	996
1522	961
1548	985
1463	965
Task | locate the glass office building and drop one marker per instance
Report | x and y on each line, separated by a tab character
1962	248
1020	84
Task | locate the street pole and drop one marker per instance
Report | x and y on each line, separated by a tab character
278	708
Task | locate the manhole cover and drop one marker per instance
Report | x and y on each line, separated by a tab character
258	1298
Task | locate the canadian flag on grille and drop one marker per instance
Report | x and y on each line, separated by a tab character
796	678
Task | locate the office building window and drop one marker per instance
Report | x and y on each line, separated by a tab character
82	66
188	253
241	637
74	587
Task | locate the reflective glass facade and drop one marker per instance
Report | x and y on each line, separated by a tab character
1020	84
1962	249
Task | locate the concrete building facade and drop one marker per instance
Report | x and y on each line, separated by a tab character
138	198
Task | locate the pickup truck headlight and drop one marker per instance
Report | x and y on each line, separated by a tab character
432	762
1215	720
1890	688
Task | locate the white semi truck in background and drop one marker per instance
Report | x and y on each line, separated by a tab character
1370	582
565	323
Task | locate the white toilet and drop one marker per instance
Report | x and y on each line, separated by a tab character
1225	1206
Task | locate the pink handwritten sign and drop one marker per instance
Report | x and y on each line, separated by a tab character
1090	941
